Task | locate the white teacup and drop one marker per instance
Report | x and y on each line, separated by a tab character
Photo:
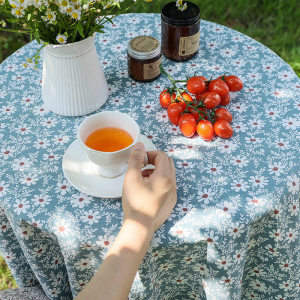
111	164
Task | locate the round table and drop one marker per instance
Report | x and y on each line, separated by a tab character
234	232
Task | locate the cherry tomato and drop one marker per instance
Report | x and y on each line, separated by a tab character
202	77
223	114
211	99
195	85
218	86
187	97
187	124
205	129
234	83
200	96
195	112
174	112
223	129
225	100
165	98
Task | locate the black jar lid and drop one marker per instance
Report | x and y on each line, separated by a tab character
172	15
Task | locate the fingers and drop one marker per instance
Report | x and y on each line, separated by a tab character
161	162
136	159
172	169
147	172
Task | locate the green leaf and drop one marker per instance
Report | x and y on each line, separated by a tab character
80	29
12	20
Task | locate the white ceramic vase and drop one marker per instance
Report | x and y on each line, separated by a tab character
73	82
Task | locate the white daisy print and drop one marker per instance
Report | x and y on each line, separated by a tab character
206	195
83	264
105	241
91	217
41	200
29	179
223	262
60	139
20	164
26	232
23	129
277	168
62	228
292	235
49	122
293	184
227	147
149	106
21	206
162	116
227	207
3	188
290	123
62	187
240	161
7	152
236	229
258	181
80	200
214	169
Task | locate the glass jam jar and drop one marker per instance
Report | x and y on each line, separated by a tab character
144	58
180	31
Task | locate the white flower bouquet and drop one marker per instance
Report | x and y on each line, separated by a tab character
60	21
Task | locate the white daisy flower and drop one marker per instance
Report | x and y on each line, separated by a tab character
18	12
76	14
62	39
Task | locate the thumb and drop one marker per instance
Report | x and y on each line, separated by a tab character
136	159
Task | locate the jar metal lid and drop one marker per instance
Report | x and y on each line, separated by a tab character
172	15
143	47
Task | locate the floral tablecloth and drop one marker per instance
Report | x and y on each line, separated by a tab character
234	233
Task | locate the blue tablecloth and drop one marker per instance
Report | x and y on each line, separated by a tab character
234	233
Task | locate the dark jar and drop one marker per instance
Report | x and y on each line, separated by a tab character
180	31
144	58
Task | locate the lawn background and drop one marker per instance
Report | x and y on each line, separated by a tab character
275	23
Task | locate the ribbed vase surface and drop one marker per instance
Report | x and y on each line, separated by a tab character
73	81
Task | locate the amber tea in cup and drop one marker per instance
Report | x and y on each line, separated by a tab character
109	139
105	142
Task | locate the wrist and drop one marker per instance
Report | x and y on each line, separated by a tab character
138	226
141	220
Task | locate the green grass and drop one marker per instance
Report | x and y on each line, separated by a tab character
272	22
275	23
6	279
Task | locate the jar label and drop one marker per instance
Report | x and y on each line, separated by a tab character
189	44
152	70
144	44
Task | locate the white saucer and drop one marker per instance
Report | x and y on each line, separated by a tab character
84	175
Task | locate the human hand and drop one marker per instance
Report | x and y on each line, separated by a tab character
149	197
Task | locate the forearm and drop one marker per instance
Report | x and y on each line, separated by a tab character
113	279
